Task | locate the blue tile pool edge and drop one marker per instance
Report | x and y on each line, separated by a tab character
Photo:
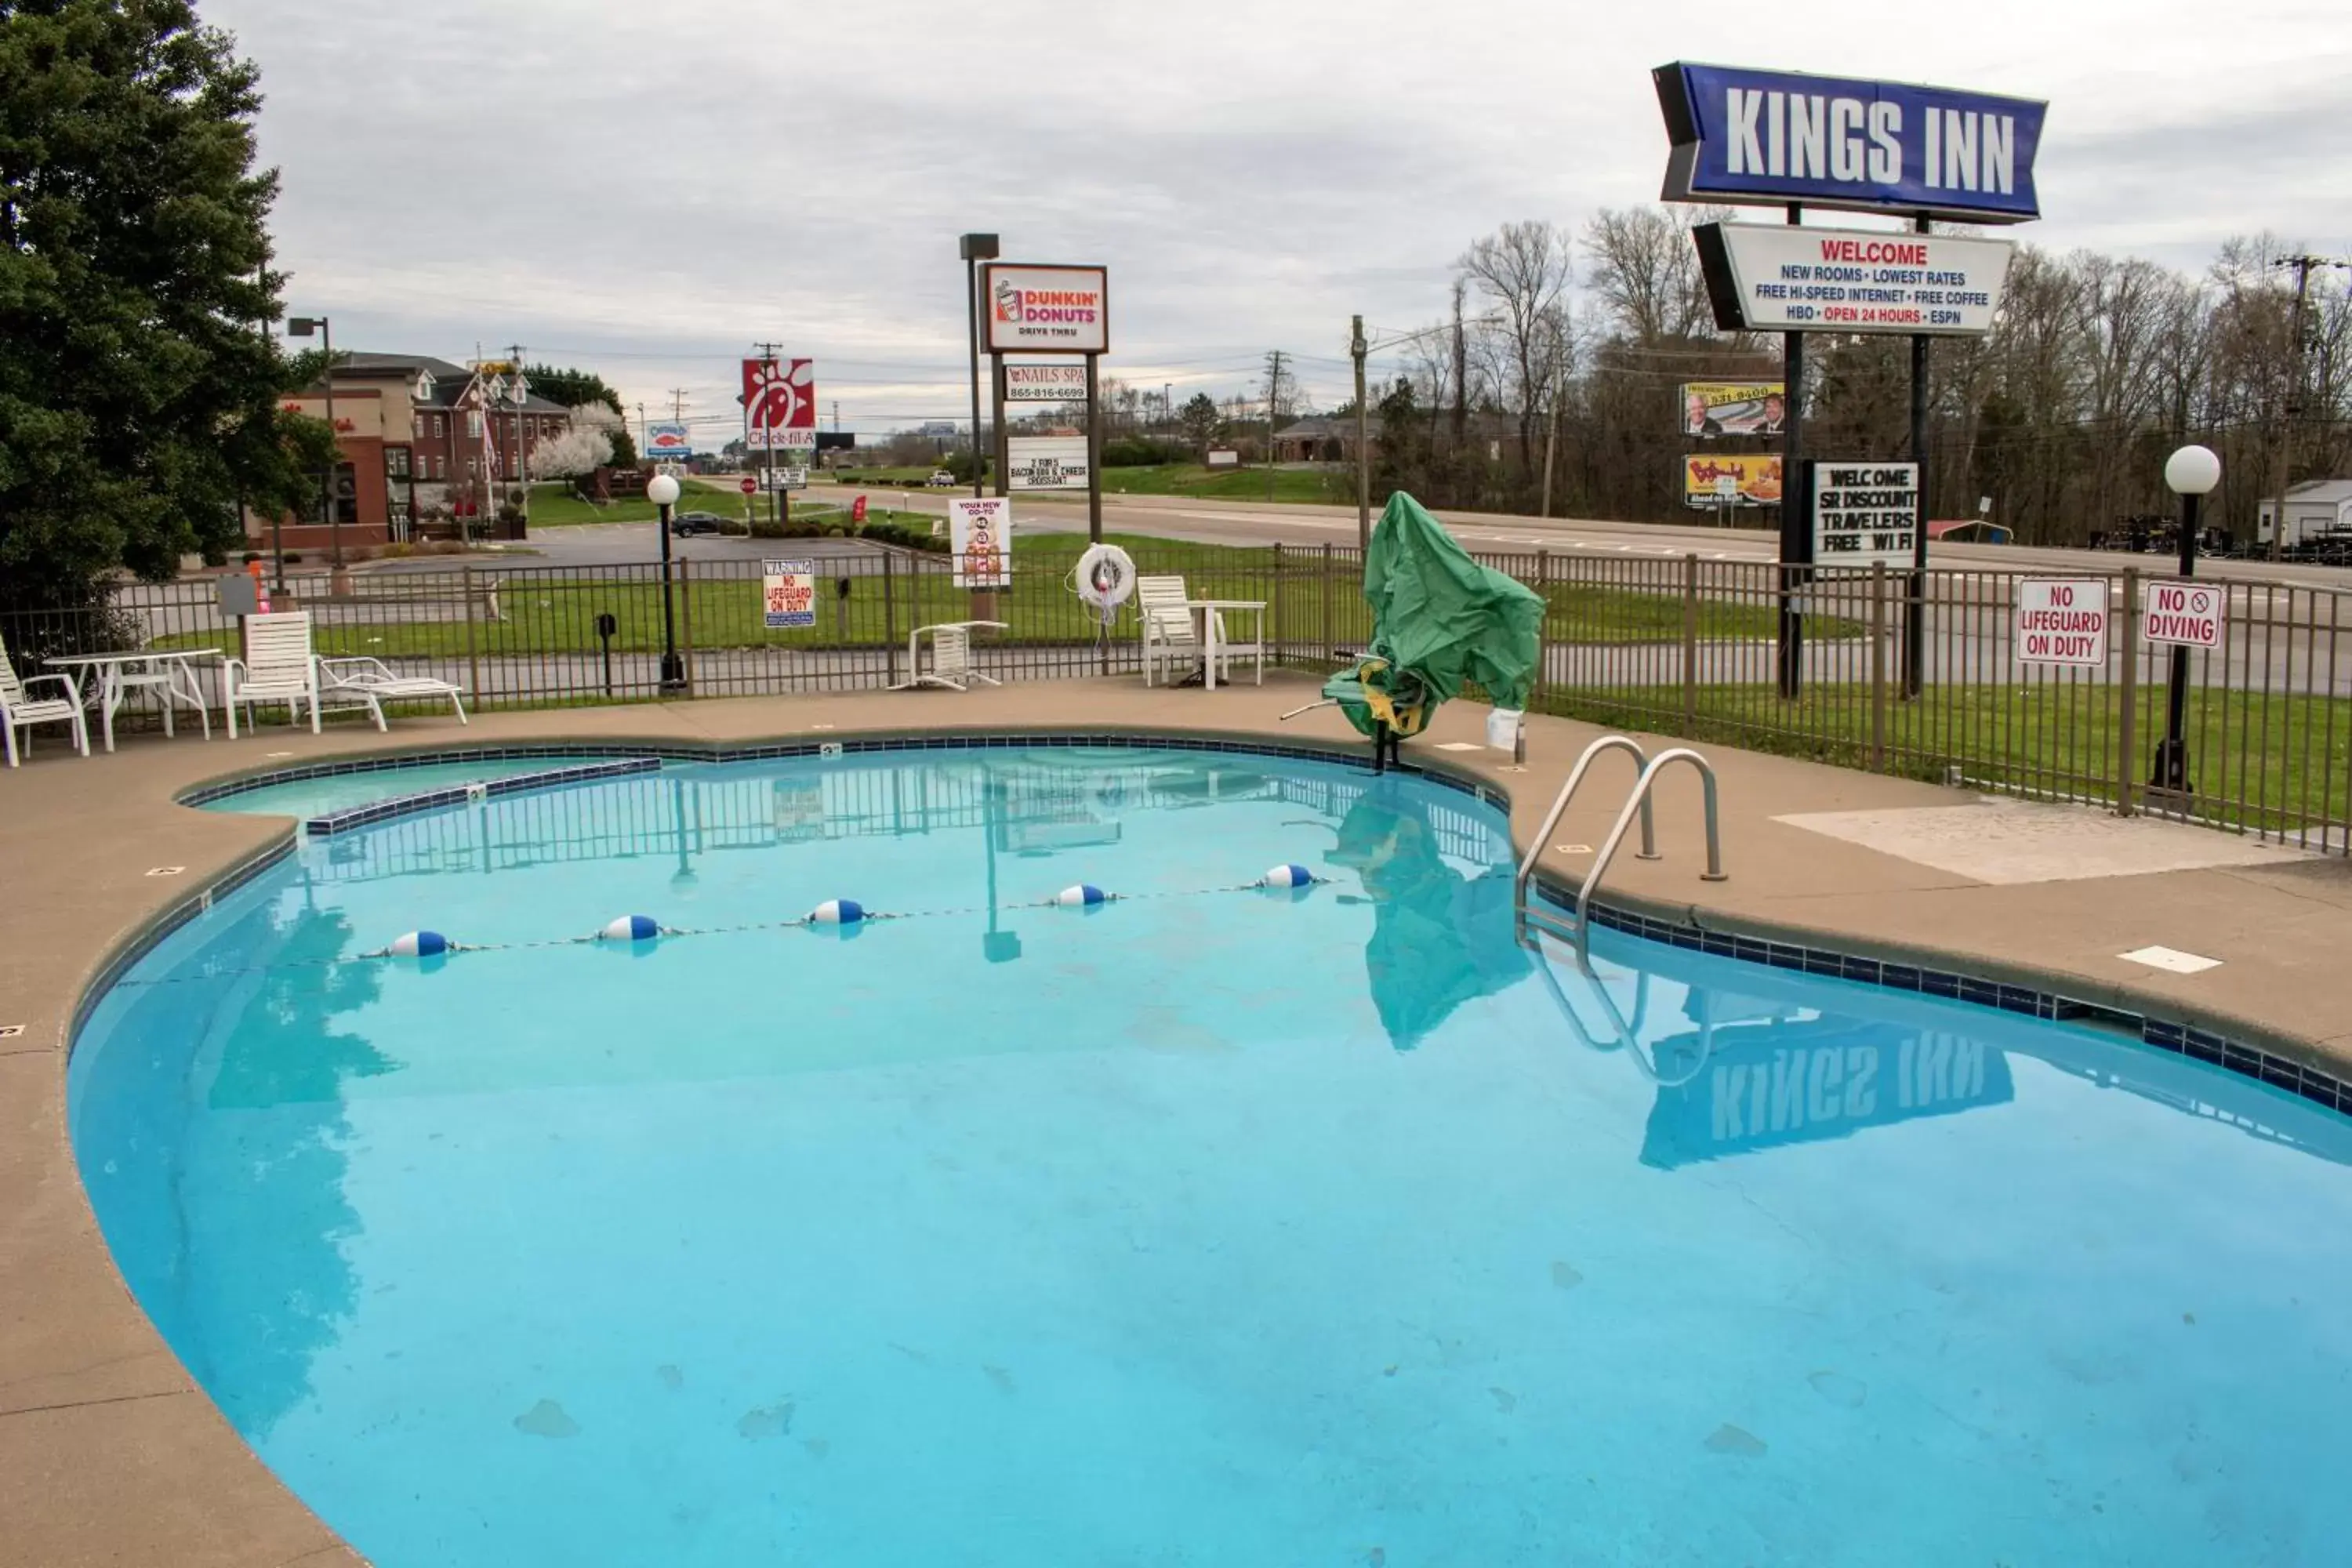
2235	1054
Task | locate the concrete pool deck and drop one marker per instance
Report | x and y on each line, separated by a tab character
110	1453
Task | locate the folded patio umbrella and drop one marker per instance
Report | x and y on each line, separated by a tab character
1440	620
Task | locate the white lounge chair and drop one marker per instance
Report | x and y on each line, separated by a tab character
20	710
370	680
277	666
1171	637
952	663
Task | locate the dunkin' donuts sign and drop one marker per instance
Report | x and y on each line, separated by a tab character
1046	310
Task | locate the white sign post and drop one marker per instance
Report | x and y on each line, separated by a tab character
979	539
2061	620
2188	614
1047	462
1786	277
788	594
1864	513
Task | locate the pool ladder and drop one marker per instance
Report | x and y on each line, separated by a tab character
1533	920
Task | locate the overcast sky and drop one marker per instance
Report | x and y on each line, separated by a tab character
648	189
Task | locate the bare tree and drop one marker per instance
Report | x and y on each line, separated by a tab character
1524	270
1644	269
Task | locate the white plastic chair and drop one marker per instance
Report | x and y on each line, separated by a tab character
20	710
1171	636
277	666
952	663
369	680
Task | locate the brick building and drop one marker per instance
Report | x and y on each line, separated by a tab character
421	440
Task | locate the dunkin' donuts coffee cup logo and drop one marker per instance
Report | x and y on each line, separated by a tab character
1008	301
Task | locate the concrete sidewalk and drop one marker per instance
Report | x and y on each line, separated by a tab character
110	1453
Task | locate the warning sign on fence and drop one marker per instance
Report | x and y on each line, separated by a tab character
2185	613
2061	620
788	594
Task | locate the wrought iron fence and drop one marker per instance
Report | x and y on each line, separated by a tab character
1677	645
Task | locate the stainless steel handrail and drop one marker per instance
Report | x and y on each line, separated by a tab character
1639	801
1568	791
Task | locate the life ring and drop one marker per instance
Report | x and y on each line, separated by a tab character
1106	577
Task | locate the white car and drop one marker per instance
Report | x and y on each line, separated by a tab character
941	480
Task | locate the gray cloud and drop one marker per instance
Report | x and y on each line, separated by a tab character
648	189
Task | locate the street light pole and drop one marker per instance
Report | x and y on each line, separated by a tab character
662	490
2190	473
975	249
302	327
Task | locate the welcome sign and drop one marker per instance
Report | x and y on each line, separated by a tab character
1770	138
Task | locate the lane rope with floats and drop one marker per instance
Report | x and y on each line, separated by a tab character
842	916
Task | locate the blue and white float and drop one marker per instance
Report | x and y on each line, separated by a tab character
1288	877
837	912
418	944
631	927
1084	896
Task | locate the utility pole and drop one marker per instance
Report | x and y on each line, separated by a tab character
2291	407
1272	411
643	435
1356	349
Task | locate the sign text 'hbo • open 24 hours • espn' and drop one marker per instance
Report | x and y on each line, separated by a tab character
1864	512
2061	620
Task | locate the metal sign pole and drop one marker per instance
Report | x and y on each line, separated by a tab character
1915	613
1002	443
1796	521
1094	456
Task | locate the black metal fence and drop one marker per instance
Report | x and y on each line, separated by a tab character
1678	645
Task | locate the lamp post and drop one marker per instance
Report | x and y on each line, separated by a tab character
2190	473
304	327
975	249
662	490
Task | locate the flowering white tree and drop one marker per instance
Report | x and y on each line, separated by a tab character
570	453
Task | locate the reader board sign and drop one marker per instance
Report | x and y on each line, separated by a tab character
1769	138
979	539
2061	620
1048	383
788	594
1223	457
1864	513
1786	277
1731	479
1046	310
1733	408
1047	462
2188	613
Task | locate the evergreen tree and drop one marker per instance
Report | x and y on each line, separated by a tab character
139	385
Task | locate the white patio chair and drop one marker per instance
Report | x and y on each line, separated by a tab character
370	681
1170	636
952	663
277	666
21	711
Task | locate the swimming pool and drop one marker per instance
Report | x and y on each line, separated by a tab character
1216	1225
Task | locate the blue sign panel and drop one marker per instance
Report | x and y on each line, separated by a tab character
1774	137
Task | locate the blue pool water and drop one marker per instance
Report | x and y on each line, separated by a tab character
1209	1227
329	793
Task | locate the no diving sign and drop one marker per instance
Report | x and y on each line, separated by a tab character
2185	612
2061	620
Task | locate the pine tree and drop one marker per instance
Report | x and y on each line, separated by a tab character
139	387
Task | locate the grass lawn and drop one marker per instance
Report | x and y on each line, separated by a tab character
2291	756
554	506
1332	486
